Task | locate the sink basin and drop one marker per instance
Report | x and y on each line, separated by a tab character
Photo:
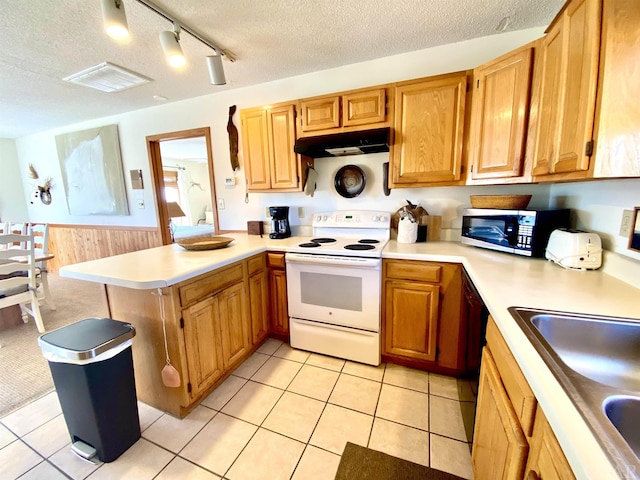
623	412
604	350
596	360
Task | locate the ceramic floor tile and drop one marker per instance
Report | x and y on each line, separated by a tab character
224	392
251	365
450	456
181	469
147	415
143	460
404	406
338	425
445	418
285	351
49	438
277	372
269	346
253	402
314	382
70	464
268	455
443	386
219	443
466	391
294	416
173	433
365	371
325	361
316	464
6	437
406	377
400	441
43	471
33	415
356	393
16	459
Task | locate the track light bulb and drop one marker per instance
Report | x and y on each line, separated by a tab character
115	20
216	70
172	49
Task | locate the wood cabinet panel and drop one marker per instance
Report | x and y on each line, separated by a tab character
429	126
279	311
210	284
499	445
546	459
255	144
411	321
364	107
282	137
320	113
275	260
234	325
414	270
259	306
499	115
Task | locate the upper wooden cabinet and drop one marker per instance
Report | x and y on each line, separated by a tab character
429	127
268	137
347	111
499	114
587	127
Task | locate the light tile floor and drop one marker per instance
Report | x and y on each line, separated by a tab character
283	414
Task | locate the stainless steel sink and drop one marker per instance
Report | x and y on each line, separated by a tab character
596	360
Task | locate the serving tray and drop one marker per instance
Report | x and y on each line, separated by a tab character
204	243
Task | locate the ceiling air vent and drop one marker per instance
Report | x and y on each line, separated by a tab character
107	77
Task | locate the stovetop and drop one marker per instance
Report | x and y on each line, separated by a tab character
361	233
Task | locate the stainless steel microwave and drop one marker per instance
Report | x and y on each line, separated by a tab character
523	232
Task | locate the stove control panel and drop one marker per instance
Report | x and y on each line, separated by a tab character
356	218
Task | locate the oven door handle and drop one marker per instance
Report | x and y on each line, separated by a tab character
355	262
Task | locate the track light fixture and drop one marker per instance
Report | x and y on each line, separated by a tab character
116	24
115	20
170	42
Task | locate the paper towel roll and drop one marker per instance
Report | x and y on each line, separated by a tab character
407	231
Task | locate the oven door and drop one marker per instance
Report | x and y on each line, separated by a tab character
342	291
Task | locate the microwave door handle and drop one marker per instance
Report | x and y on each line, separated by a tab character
511	231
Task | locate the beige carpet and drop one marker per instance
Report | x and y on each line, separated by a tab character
24	373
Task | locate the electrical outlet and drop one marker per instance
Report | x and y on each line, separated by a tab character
300	212
221	204
625	224
140	203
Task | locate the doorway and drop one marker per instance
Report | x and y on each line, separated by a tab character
184	178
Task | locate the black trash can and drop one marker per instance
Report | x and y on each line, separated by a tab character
92	368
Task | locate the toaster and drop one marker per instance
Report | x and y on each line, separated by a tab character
574	249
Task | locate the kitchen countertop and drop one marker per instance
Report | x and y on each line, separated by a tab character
502	280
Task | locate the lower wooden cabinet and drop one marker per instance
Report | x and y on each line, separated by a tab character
279	311
258	297
421	315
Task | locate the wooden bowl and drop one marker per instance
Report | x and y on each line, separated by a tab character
511	202
204	243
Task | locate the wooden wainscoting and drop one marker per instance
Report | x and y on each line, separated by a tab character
79	243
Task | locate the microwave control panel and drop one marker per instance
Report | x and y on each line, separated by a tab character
525	231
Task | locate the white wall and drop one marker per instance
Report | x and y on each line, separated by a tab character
13	206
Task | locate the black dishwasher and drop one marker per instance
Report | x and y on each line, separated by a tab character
475	315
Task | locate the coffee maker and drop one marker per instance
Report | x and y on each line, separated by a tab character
279	222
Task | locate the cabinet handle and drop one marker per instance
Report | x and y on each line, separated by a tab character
532	475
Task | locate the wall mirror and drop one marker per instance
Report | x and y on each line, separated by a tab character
634	236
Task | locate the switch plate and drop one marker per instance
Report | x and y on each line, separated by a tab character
625	224
300	212
221	204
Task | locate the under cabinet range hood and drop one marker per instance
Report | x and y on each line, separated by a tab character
341	144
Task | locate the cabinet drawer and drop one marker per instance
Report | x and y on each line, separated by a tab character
521	396
275	260
411	270
255	264
210	284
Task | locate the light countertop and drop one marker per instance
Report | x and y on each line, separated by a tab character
502	280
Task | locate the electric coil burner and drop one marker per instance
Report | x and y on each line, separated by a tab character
334	285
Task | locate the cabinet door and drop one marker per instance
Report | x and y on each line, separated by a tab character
234	325
203	344
500	111
259	306
255	144
278	302
363	107
282	137
499	445
320	113
429	126
546	459
411	319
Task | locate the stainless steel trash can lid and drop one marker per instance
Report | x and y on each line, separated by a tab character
86	338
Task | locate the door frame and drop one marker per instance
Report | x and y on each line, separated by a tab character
155	163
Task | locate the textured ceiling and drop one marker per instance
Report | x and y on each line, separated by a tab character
45	41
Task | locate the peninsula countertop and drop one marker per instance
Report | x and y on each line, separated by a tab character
502	280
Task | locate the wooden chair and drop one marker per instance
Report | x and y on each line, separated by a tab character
18	283
41	247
